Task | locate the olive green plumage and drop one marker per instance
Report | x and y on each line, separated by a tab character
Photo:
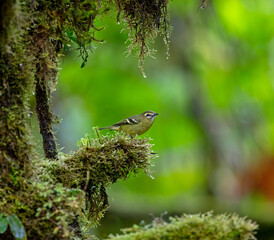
135	125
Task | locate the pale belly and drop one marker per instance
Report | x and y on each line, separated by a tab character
132	130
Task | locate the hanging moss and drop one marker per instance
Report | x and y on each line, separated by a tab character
77	21
145	21
71	21
192	227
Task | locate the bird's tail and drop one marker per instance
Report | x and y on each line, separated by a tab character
104	128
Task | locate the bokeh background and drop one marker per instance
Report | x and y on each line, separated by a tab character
214	95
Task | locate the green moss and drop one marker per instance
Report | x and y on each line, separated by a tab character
64	194
193	227
97	164
145	21
46	210
9	23
73	188
74	21
15	88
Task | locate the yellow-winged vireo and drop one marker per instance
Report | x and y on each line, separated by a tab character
135	125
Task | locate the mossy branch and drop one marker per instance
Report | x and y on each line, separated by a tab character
197	226
64	196
97	164
45	80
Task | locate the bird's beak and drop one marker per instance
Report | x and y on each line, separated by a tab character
155	114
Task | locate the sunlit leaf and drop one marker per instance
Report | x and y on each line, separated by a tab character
17	227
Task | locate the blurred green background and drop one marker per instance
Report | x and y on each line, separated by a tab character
214	95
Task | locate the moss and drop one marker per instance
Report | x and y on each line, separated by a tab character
66	193
192	227
145	20
65	196
45	209
45	81
15	88
74	21
97	164
8	16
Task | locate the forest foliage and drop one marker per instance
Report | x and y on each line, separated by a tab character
59	195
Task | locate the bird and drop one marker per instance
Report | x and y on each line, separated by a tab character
134	125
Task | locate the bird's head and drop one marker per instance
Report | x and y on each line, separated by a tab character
150	115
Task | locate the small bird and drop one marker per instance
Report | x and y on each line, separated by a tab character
135	125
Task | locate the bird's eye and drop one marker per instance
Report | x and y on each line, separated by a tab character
148	115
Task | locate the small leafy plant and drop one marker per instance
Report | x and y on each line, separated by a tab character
16	226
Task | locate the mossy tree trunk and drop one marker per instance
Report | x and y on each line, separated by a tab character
45	79
15	89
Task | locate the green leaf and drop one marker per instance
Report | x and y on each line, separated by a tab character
17	227
3	224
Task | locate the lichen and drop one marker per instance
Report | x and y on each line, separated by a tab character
197	226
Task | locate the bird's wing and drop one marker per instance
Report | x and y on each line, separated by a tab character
128	121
